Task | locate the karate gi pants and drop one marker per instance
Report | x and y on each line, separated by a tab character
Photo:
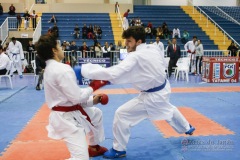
146	105
77	143
16	65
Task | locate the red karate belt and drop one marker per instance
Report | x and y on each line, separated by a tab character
72	108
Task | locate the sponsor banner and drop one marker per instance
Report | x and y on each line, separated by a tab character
104	62
220	70
207	69
229	70
216	70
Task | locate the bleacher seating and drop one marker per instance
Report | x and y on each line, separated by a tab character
231	28
67	21
174	16
232	11
3	17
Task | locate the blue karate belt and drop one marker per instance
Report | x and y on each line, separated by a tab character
157	88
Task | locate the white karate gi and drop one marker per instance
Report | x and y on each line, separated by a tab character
192	47
144	69
61	89
176	32
16	55
4	61
161	47
125	23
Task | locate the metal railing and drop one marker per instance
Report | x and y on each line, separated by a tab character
4	30
227	16
216	25
120	18
11	23
38	30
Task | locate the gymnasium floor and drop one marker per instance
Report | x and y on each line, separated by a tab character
214	109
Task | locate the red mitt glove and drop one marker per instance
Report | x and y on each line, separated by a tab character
189	51
96	84
103	99
194	52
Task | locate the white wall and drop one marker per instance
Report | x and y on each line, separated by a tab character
169	2
120	1
214	2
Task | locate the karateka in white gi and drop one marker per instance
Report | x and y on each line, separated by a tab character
144	69
72	112
160	45
16	55
190	47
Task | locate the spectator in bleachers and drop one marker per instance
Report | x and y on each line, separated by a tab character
34	19
119	46
76	33
185	37
176	33
19	20
90	33
174	53
53	19
106	50
116	7
165	31
112	47
150	25
30	49
4	62
199	55
95	27
26	16
232	50
125	20
159	44
164	25
159	32
83	49
67	46
12	10
1	9
148	32
97	49
132	22
138	22
55	30
73	47
84	31
99	33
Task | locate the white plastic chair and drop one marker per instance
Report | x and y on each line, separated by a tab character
33	63
166	61
7	75
182	66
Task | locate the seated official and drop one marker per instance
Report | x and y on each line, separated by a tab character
4	62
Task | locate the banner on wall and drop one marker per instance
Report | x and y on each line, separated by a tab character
104	62
220	69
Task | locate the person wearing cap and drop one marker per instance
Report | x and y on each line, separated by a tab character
16	55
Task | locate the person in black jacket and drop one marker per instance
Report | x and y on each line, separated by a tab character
174	53
232	50
40	66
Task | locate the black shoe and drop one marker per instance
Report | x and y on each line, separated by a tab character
38	88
